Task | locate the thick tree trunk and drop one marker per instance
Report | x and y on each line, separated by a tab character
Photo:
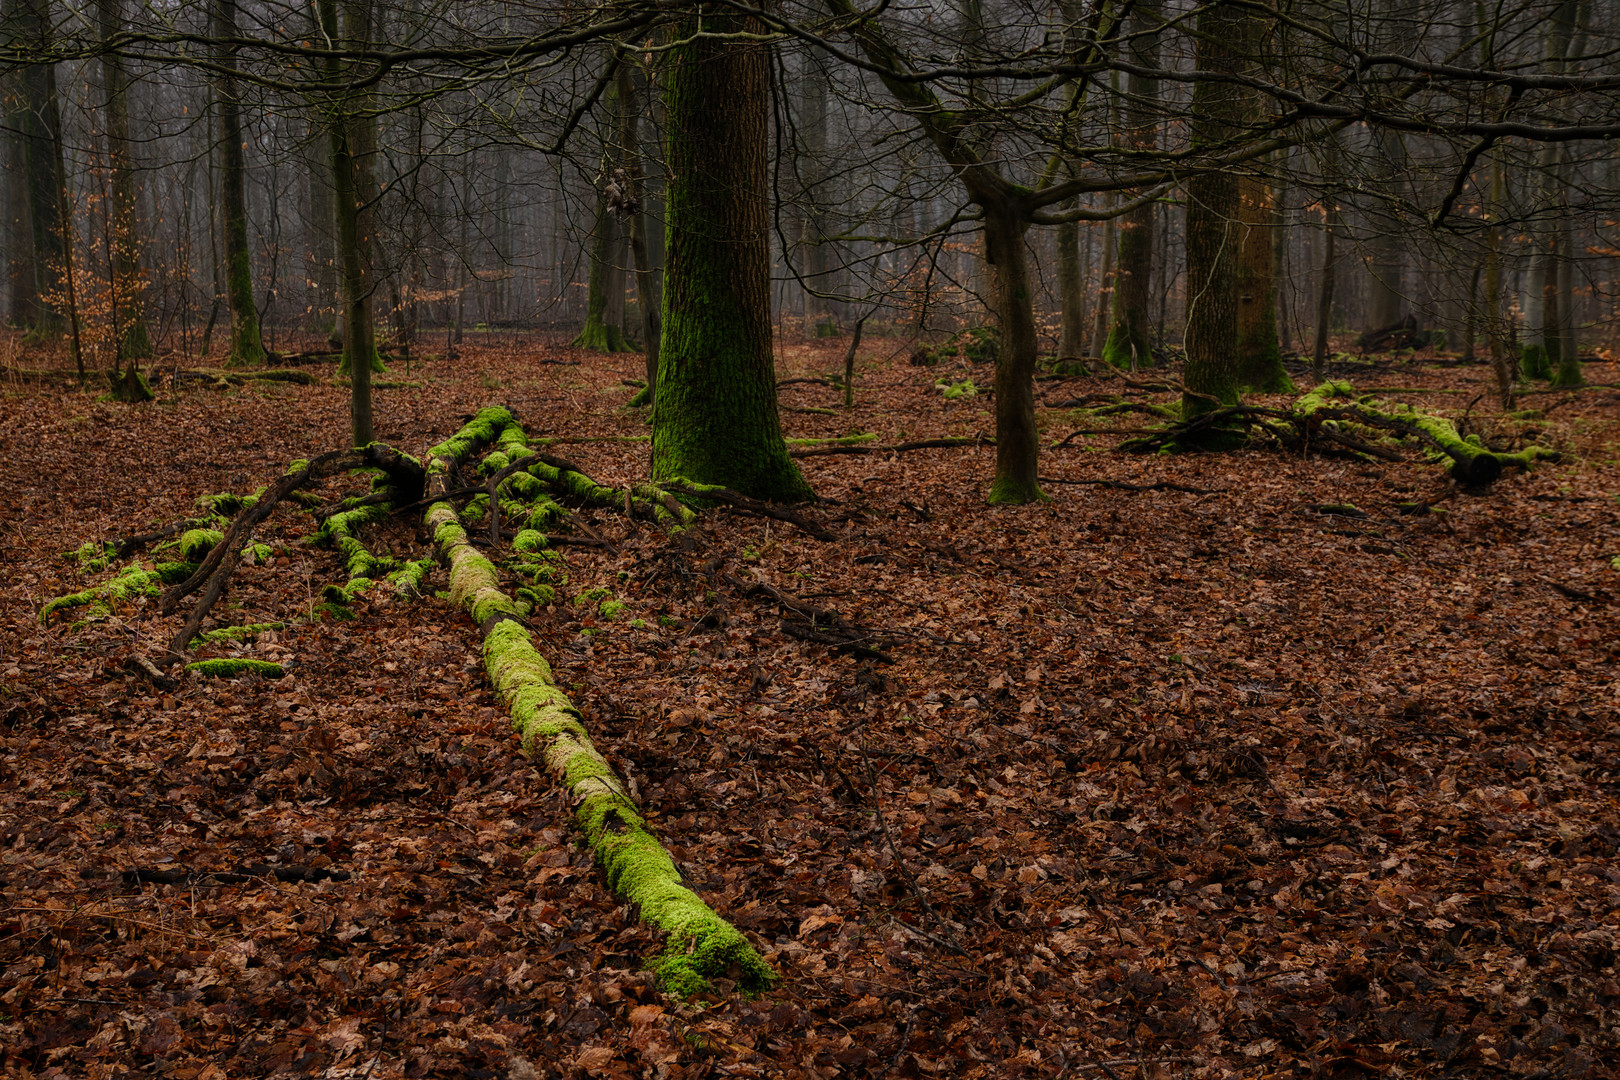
1260	365
1017	440
247	346
41	117
716	419
1211	376
129	307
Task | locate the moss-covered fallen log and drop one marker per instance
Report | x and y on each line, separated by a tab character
1471	461
701	946
1330	412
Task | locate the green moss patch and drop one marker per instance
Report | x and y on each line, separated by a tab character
231	668
132	582
234	633
195	544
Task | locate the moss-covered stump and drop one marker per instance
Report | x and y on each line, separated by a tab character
701	946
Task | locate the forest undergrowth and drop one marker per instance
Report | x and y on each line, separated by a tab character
1214	765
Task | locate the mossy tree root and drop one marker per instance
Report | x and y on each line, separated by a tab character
701	947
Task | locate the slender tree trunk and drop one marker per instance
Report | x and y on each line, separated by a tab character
602	330
647	290
716	419
604	304
1330	229
323	270
1106	281
1470	319
247	346
352	135
1128	344
813	241
1071	289
21	286
1017	441
1568	371
1501	348
1281	229
134	341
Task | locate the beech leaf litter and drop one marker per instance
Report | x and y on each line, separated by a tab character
1246	764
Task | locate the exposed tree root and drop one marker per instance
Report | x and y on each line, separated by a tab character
714	493
819	625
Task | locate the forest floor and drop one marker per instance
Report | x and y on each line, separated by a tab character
1268	779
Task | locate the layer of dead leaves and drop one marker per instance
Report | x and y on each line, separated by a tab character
1270	781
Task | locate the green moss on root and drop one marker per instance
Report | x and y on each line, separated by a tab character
234	633
338	530
231	668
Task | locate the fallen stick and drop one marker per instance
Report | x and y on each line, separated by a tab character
900	448
1162	485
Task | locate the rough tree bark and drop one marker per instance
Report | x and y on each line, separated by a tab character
352	134
134	342
1211	377
1128	345
247	345
716	419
